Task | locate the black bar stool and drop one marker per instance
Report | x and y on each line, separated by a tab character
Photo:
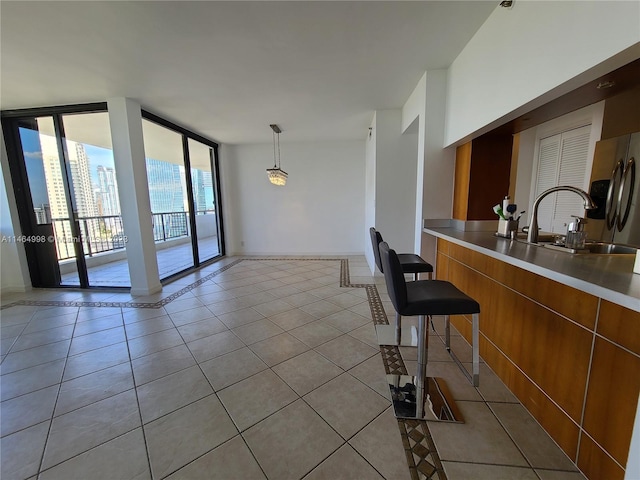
409	262
423	298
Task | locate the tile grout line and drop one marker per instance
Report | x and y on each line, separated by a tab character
55	403
506	430
135	390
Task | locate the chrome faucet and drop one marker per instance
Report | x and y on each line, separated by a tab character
532	235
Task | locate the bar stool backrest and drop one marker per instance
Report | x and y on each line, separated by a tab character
376	240
393	277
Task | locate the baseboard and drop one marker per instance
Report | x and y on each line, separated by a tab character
297	255
143	292
14	289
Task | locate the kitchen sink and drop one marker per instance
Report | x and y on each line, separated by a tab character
552	241
610	248
597	248
542	237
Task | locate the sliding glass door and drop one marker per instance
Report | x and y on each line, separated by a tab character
168	197
50	209
64	177
97	204
66	186
181	174
201	158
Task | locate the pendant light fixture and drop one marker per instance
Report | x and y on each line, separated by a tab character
277	176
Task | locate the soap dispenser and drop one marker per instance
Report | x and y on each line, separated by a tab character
576	235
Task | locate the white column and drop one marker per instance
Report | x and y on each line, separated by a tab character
425	109
413	118
439	163
395	180
125	118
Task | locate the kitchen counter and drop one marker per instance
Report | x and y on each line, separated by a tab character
609	277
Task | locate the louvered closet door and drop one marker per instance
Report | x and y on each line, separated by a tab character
548	164
562	161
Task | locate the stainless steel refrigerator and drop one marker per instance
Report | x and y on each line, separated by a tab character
615	187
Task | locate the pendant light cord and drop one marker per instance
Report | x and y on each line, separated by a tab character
273	134
278	137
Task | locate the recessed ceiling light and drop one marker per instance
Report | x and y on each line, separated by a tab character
506	3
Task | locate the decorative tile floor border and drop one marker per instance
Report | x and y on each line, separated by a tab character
420	450
173	296
392	359
422	457
377	309
158	304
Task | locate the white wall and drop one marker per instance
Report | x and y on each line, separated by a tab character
425	110
320	211
525	56
396	166
414	118
439	163
370	192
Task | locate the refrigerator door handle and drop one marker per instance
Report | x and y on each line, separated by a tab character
611	207
630	168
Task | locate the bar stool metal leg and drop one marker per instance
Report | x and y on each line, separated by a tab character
474	378
421	374
398	328
433	327
447	332
475	346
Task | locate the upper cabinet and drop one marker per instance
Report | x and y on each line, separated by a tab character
622	114
482	172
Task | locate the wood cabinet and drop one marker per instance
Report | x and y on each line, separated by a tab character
622	113
483	168
571	358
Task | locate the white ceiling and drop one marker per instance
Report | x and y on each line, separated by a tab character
227	70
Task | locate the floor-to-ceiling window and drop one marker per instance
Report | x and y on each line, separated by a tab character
182	181
67	195
95	189
66	187
201	158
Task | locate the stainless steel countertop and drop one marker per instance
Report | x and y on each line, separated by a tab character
606	276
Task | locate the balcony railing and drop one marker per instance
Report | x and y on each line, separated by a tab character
105	233
170	225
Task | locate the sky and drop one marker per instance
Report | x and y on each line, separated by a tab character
35	171
33	158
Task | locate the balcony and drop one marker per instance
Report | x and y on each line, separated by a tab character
104	242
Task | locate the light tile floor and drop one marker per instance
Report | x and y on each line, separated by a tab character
247	369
